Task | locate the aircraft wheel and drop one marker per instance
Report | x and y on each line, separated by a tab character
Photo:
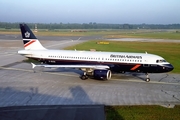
84	77
147	79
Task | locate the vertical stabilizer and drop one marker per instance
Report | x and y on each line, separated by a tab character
29	39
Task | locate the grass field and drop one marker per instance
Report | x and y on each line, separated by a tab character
106	33
169	51
142	113
152	35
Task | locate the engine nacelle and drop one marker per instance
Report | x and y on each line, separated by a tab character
102	74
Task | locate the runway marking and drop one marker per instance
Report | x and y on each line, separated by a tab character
33	71
64	42
151	82
18	69
70	75
61	74
79	38
8	54
59	44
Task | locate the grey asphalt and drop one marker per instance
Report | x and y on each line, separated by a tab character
20	86
49	38
53	112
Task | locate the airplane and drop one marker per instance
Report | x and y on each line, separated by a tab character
96	64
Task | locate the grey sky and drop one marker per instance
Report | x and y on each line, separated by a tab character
85	11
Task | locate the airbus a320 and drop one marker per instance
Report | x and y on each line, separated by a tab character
99	65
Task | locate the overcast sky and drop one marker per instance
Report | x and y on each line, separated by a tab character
85	11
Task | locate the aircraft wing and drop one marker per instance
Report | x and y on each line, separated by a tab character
71	66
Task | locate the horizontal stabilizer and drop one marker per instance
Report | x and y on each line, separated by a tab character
33	65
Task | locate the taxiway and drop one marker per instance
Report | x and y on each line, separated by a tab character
20	85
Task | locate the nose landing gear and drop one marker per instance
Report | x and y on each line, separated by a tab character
147	77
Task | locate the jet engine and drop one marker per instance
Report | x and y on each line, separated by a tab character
102	74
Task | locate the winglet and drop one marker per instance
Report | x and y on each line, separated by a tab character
33	65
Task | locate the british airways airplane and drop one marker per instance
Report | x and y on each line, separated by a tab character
98	65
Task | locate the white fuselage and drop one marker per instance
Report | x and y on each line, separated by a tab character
111	57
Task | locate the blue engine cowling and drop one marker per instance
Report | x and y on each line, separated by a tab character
102	74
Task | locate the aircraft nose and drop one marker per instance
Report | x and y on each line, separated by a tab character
169	67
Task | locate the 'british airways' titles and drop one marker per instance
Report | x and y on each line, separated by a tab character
125	56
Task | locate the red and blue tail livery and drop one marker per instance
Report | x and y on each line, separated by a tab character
29	39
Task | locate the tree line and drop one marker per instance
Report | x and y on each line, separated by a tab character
91	25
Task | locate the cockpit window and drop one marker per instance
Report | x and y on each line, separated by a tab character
160	61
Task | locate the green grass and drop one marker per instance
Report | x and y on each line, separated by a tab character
158	35
106	33
152	34
142	113
169	51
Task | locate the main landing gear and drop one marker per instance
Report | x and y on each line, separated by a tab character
84	76
147	77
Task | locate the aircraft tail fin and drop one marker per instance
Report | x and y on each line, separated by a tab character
29	39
